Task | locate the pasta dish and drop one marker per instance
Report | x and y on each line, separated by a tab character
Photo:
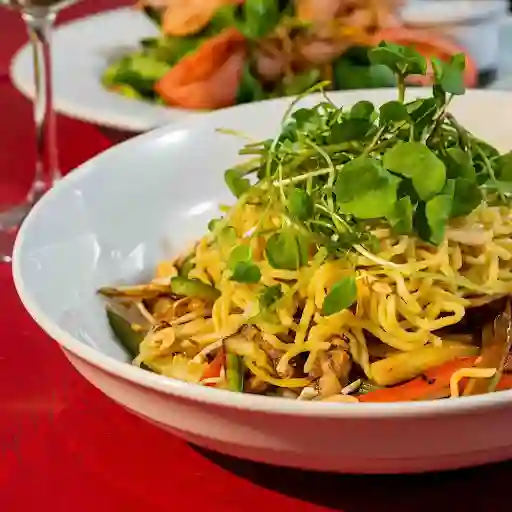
368	258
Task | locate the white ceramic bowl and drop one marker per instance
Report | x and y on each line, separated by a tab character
108	221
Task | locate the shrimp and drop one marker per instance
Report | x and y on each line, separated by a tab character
360	13
186	17
209	77
317	10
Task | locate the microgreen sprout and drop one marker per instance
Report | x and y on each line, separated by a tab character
334	172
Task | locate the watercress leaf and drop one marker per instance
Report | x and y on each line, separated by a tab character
459	164
401	216
349	129
393	112
452	76
480	146
286	250
437	213
416	64
236	183
374	203
504	167
357	177
300	204
354	129
362	110
439	95
422	110
352	75
305	120
503	187
402	60
246	272
437	68
240	253
416	161
467	195
389	55
341	296
270	295
422	113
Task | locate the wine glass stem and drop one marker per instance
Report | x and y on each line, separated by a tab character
39	26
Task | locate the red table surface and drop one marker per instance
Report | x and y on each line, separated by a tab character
66	447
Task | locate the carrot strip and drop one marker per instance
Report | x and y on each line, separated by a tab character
505	382
214	368
435	383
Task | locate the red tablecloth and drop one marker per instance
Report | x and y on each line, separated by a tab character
65	447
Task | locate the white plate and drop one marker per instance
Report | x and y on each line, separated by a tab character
81	51
166	185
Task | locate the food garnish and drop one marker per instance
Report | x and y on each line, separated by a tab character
367	258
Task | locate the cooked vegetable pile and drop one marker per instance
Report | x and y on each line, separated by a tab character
368	258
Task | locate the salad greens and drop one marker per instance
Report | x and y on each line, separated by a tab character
136	74
334	172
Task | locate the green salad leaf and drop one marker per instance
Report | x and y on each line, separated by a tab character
300	204
334	173
241	265
341	296
416	161
270	296
236	182
286	250
438	212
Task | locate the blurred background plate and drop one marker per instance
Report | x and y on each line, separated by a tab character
81	51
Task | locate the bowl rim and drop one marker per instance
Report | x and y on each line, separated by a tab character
208	395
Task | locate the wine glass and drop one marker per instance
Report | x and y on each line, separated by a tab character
39	16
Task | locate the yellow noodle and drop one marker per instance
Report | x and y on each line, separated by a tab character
463	373
405	292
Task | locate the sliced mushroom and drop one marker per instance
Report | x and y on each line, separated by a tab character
130	313
496	346
328	384
188	305
137	292
341	364
255	385
270	61
332	368
162	309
